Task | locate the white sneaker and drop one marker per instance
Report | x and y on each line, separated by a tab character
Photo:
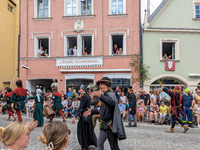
198	126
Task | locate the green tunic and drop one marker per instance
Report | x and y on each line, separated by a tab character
20	100
38	113
57	102
9	100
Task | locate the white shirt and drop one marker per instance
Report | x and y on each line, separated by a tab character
40	51
123	98
75	52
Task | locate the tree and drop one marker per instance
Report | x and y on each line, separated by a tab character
141	69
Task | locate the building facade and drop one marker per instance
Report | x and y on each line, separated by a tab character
91	28
174	30
9	31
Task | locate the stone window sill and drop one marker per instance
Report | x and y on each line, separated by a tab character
38	19
196	19
170	60
118	15
78	16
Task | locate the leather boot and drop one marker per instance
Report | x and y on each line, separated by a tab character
185	128
170	131
8	119
14	118
190	125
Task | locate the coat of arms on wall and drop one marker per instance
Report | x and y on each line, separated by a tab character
170	65
78	25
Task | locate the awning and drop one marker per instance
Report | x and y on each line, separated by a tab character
97	70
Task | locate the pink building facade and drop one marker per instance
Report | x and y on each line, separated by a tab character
91	28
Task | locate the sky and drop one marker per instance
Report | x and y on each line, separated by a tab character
154	4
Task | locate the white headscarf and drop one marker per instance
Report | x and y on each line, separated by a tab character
38	91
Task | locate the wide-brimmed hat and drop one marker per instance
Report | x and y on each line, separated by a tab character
104	80
198	91
139	101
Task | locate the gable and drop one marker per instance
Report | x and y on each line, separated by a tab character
174	14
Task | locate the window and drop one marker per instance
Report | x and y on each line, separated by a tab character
197	11
71	7
10	8
86	7
86	45
72	46
117	7
118	44
78	7
78	45
169	49
43	9
42	46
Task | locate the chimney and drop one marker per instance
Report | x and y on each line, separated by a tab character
148	9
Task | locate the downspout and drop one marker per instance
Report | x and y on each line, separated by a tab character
141	39
19	37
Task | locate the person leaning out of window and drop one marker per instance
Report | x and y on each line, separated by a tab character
41	52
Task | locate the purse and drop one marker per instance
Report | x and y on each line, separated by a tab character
86	119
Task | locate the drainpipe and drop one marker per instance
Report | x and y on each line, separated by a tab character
141	39
19	37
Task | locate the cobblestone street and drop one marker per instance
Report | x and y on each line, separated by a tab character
144	137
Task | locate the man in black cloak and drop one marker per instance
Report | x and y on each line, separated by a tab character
112	128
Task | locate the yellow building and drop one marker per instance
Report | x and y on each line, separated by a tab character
9	31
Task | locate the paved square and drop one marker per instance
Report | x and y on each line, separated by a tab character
144	137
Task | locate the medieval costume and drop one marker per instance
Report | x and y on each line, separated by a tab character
57	104
85	130
132	108
19	95
112	128
38	113
9	103
177	104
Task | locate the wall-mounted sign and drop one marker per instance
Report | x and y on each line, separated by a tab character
170	65
77	62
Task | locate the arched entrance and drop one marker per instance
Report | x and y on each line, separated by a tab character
168	83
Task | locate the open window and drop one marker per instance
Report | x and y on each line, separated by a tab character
117	44
169	49
86	45
72	46
43	47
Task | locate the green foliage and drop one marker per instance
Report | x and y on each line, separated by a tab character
142	70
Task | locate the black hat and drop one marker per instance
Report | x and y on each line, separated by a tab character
104	80
130	88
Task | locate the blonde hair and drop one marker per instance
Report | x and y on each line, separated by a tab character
56	133
11	133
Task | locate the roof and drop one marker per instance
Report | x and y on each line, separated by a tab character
158	9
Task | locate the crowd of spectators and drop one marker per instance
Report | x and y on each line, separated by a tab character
155	106
152	107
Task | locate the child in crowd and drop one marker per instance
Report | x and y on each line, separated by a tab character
140	109
163	112
153	111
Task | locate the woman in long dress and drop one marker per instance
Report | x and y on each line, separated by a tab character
38	113
85	130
